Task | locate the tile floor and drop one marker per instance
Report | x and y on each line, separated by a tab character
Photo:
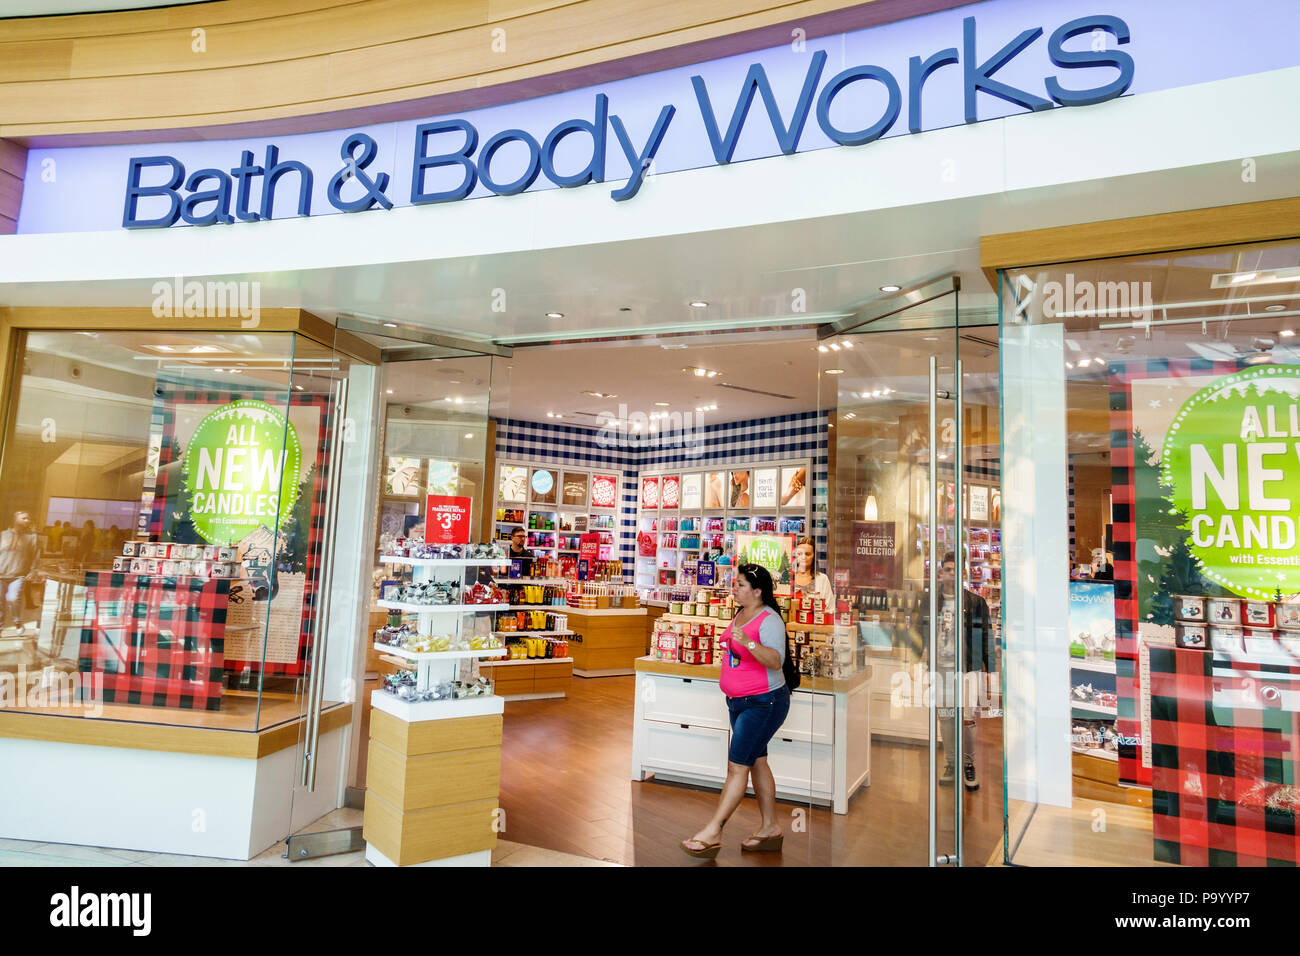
26	853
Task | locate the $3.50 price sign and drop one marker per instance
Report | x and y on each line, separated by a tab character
446	519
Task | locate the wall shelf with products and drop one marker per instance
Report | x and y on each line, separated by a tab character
684	514
556	504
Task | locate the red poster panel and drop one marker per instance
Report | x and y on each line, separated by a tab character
670	492
446	519
649	492
588	551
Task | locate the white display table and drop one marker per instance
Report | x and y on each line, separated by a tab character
681	732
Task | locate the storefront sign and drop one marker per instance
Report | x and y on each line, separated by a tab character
446	519
875	555
891	79
1231	464
241	470
773	551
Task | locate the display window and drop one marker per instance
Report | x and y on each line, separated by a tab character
1178	377
187	590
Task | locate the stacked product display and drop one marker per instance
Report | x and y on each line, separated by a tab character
598	595
178	560
1263	630
556	506
686	518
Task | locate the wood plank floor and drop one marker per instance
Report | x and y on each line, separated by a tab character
566	786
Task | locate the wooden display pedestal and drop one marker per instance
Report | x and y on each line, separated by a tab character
433	781
530	679
611	642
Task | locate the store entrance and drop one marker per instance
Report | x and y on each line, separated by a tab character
638	473
914	513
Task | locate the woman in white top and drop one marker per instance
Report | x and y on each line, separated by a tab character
806	576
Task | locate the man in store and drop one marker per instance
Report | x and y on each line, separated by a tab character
519	553
979	658
18	551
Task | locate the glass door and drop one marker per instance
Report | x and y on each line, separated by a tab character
901	543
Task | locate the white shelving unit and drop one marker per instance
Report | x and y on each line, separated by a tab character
569	519
711	525
435	667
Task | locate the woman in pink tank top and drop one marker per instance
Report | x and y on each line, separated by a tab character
758	700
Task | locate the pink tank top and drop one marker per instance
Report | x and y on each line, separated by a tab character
747	676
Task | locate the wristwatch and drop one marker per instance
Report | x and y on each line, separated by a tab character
751	645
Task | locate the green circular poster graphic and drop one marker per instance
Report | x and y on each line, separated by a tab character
242	469
1232	460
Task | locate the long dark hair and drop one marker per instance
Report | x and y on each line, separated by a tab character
760	578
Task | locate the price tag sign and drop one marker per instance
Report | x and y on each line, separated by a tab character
584	569
446	519
704	573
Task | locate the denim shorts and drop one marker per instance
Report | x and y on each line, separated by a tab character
754	721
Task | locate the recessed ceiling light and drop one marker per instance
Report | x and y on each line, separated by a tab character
931	338
390	325
1069	365
390	391
1275	307
469	434
835	371
298	387
834	347
555	315
550	414
890	288
600	394
850	415
1243	277
663	404
847	344
458	400
822	348
699	304
1287	333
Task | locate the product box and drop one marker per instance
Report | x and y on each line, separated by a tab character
224	569
694	657
1288	615
1226	639
801	637
130	549
1224	611
138	565
209	552
1191	635
819	617
227	554
844	618
168	568
1189	608
121	564
1258	614
1259	641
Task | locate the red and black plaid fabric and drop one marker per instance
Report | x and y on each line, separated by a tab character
158	641
1124	532
1224	787
167	495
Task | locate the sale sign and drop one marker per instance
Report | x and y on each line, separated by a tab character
446	519
588	552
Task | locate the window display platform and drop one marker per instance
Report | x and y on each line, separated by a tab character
185	790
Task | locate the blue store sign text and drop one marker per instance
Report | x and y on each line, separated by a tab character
246	192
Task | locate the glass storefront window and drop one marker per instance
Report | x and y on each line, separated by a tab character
163	497
1152	468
